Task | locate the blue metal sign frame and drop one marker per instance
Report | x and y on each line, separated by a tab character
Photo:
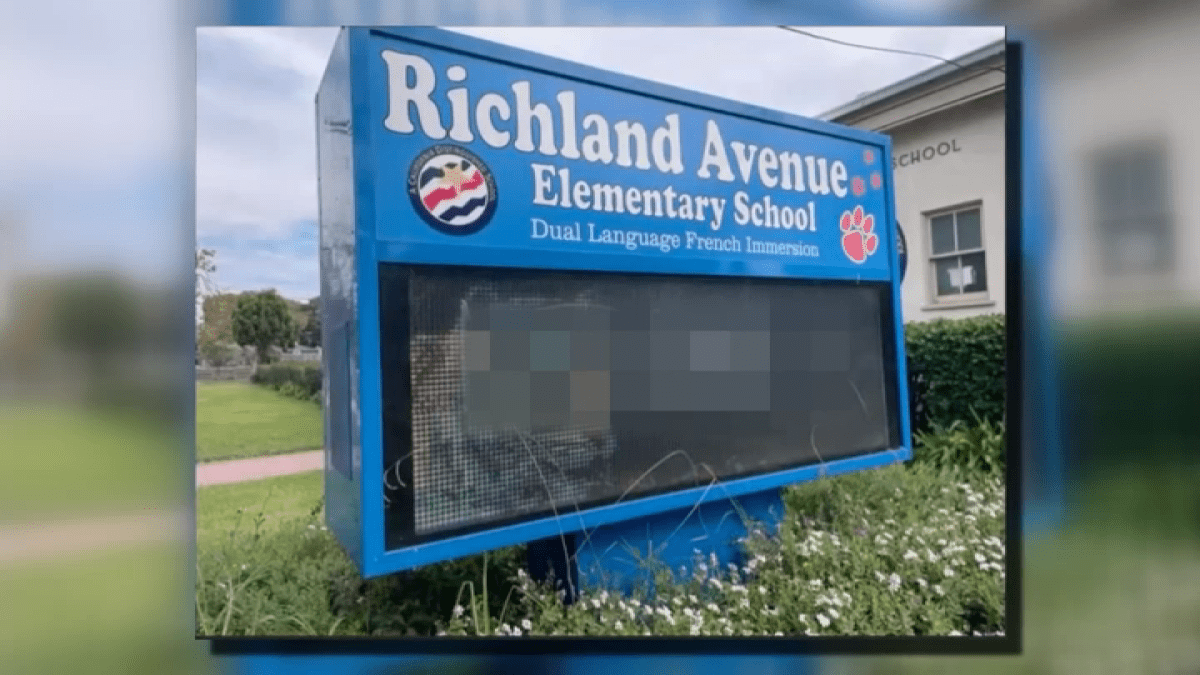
371	147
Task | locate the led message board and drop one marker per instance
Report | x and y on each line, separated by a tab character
552	291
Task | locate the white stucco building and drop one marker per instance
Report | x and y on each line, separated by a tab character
947	126
1120	105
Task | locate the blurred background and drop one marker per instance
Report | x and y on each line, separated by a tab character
98	289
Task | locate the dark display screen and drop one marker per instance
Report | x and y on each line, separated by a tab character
510	394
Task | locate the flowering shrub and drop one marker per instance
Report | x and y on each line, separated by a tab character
854	565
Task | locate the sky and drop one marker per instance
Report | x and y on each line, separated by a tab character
256	203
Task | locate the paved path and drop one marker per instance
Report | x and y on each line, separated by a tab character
50	539
257	468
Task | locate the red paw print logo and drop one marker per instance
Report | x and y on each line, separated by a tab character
858	187
858	237
868	157
876	180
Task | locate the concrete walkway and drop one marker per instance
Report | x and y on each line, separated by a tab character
51	539
257	468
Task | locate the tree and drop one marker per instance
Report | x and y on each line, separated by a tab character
263	320
310	335
218	317
205	267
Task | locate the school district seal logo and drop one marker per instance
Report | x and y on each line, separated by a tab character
452	190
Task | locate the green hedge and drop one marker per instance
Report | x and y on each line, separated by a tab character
300	380
1129	390
956	370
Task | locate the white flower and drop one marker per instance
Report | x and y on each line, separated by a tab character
712	608
937	588
894	581
693	599
618	625
823	620
526	624
922	583
595	603
879	575
778	633
694	629
762	590
677	601
833	613
979	558
949	572
458	611
815	583
911	555
955	633
716	583
804	618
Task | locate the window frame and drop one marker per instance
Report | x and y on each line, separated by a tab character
932	258
1132	218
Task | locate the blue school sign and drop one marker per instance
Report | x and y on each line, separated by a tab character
598	315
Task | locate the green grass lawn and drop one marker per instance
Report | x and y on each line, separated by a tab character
221	509
62	459
238	419
120	610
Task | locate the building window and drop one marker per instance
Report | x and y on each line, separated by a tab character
957	256
1133	223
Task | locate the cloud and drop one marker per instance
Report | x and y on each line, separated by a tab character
288	265
255	149
765	66
256	158
95	111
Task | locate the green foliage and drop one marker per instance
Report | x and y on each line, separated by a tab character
310	334
98	316
263	320
291	578
218	318
836	567
894	551
957	447
962	363
216	353
297	379
1130	384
